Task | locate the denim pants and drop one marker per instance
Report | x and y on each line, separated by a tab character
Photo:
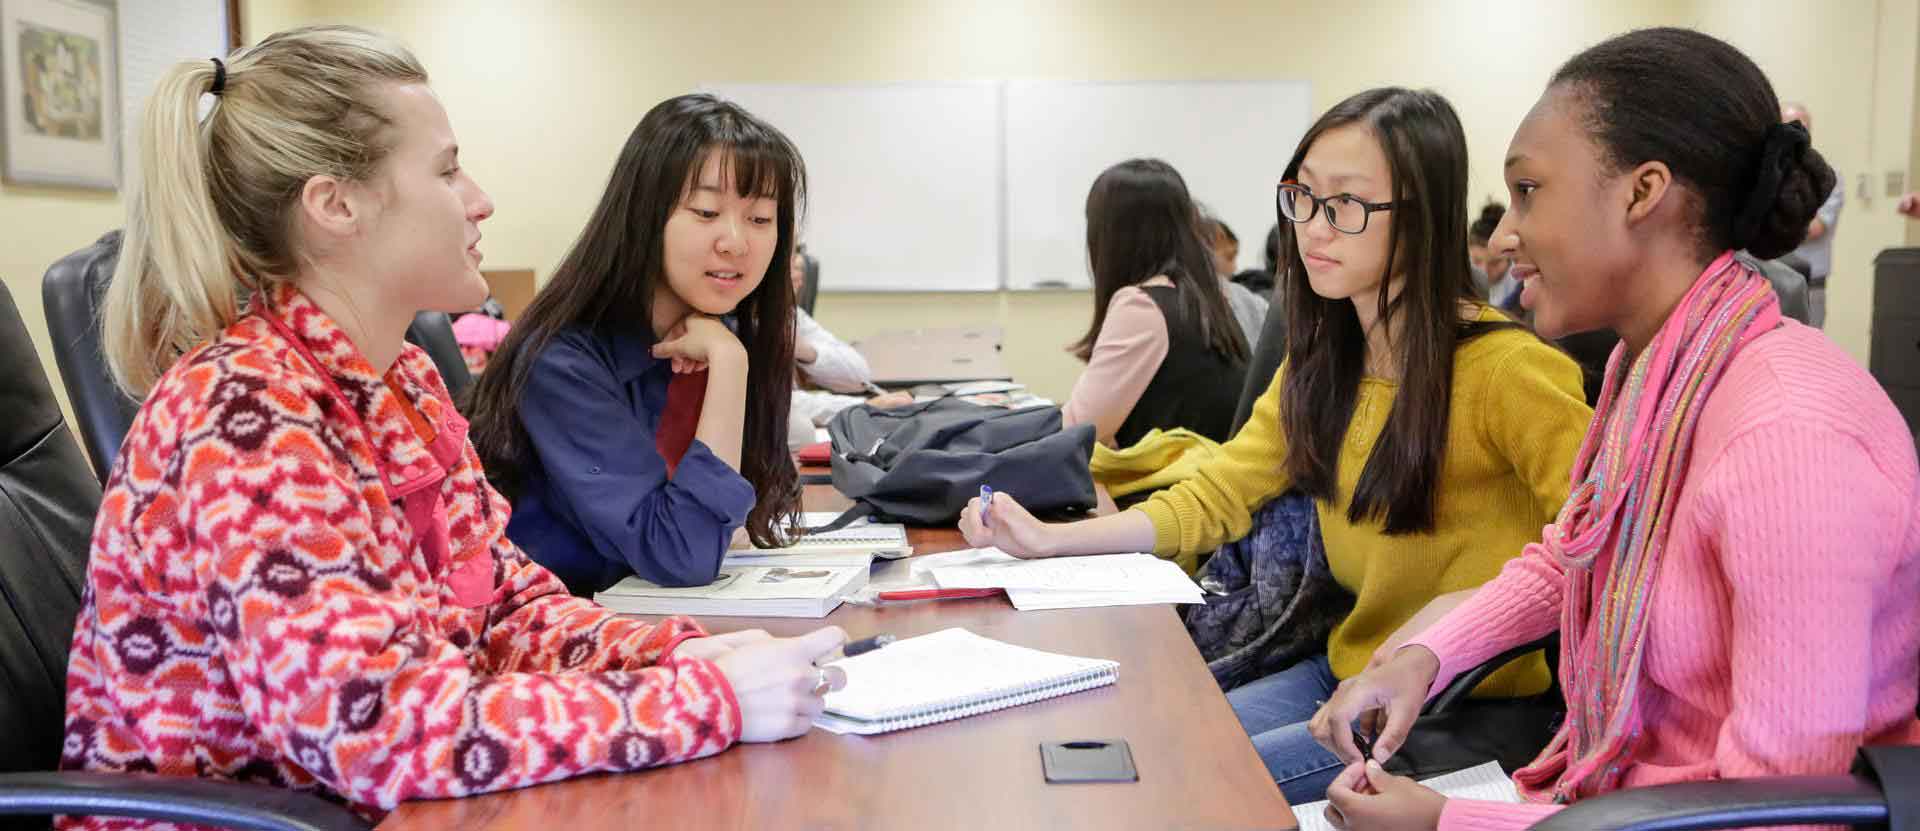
1274	710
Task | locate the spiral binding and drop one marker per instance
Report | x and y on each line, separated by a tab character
959	708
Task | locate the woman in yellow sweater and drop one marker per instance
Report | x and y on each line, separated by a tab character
1434	434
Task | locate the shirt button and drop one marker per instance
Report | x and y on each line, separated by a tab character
594	470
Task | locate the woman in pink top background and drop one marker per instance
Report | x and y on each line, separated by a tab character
1164	350
1736	571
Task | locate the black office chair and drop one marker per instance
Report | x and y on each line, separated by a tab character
433	331
73	292
1265	360
810	284
1857	800
47	505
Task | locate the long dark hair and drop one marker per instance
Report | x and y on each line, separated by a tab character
606	284
1426	154
1141	222
1701	106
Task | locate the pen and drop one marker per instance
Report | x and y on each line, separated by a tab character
986	506
852	648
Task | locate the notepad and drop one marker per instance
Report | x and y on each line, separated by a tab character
951	674
863	536
1484	782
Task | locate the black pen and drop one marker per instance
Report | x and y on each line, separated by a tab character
852	648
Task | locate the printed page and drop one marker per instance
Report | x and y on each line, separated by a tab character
1484	782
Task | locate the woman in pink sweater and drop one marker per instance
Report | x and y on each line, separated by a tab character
1734	574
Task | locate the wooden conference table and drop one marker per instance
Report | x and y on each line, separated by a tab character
1197	768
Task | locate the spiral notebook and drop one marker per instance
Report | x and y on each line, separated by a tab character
951	674
864	536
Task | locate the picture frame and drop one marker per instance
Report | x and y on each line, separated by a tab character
60	90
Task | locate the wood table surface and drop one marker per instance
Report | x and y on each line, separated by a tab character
1197	768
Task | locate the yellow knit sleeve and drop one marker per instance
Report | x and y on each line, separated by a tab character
1215	505
1534	413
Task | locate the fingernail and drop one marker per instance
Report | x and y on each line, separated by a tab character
1372	765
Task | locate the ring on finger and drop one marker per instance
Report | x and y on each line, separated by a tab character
822	681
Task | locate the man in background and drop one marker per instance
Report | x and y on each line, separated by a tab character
1816	254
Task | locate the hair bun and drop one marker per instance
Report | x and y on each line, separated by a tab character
1791	183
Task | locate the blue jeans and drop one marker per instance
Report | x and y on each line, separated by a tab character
1274	710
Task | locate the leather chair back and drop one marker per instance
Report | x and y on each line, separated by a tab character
48	498
72	293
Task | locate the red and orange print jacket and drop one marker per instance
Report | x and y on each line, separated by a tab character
294	581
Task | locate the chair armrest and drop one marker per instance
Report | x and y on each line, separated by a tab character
1463	684
1729	803
173	798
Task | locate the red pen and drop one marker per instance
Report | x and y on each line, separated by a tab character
935	594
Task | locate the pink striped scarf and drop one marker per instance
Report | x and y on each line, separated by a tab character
1612	531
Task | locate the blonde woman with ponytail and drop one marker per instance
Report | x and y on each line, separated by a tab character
299	574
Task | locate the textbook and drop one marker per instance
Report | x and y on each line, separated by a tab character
799	586
951	674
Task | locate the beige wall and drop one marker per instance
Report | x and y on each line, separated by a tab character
542	93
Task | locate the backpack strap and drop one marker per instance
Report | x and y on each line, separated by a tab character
860	510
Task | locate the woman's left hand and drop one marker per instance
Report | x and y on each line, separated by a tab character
1365	797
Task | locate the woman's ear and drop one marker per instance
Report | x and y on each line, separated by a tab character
328	211
1648	186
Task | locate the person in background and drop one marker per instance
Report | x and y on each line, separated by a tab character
637	412
1503	291
1163	350
299	576
829	362
1909	205
1736	574
824	360
1433	433
1260	280
1816	252
1249	309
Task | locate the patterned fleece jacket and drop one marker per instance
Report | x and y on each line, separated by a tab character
296	581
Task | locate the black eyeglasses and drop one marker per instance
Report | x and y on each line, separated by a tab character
1345	212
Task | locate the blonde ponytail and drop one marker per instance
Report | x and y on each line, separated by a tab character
211	211
174	286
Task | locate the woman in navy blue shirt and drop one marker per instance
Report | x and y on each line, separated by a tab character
636	414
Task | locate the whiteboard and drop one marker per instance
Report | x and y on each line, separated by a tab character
1230	140
155	35
903	179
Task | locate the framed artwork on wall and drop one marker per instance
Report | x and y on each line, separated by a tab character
60	86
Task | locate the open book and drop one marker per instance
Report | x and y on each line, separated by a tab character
951	674
797	586
1484	782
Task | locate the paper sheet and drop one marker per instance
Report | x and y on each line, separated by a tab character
1485	782
1126	573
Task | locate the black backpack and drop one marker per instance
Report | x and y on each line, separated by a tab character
920	464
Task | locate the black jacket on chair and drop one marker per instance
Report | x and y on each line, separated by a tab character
48	499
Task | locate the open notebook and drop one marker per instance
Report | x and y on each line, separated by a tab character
1484	782
951	674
